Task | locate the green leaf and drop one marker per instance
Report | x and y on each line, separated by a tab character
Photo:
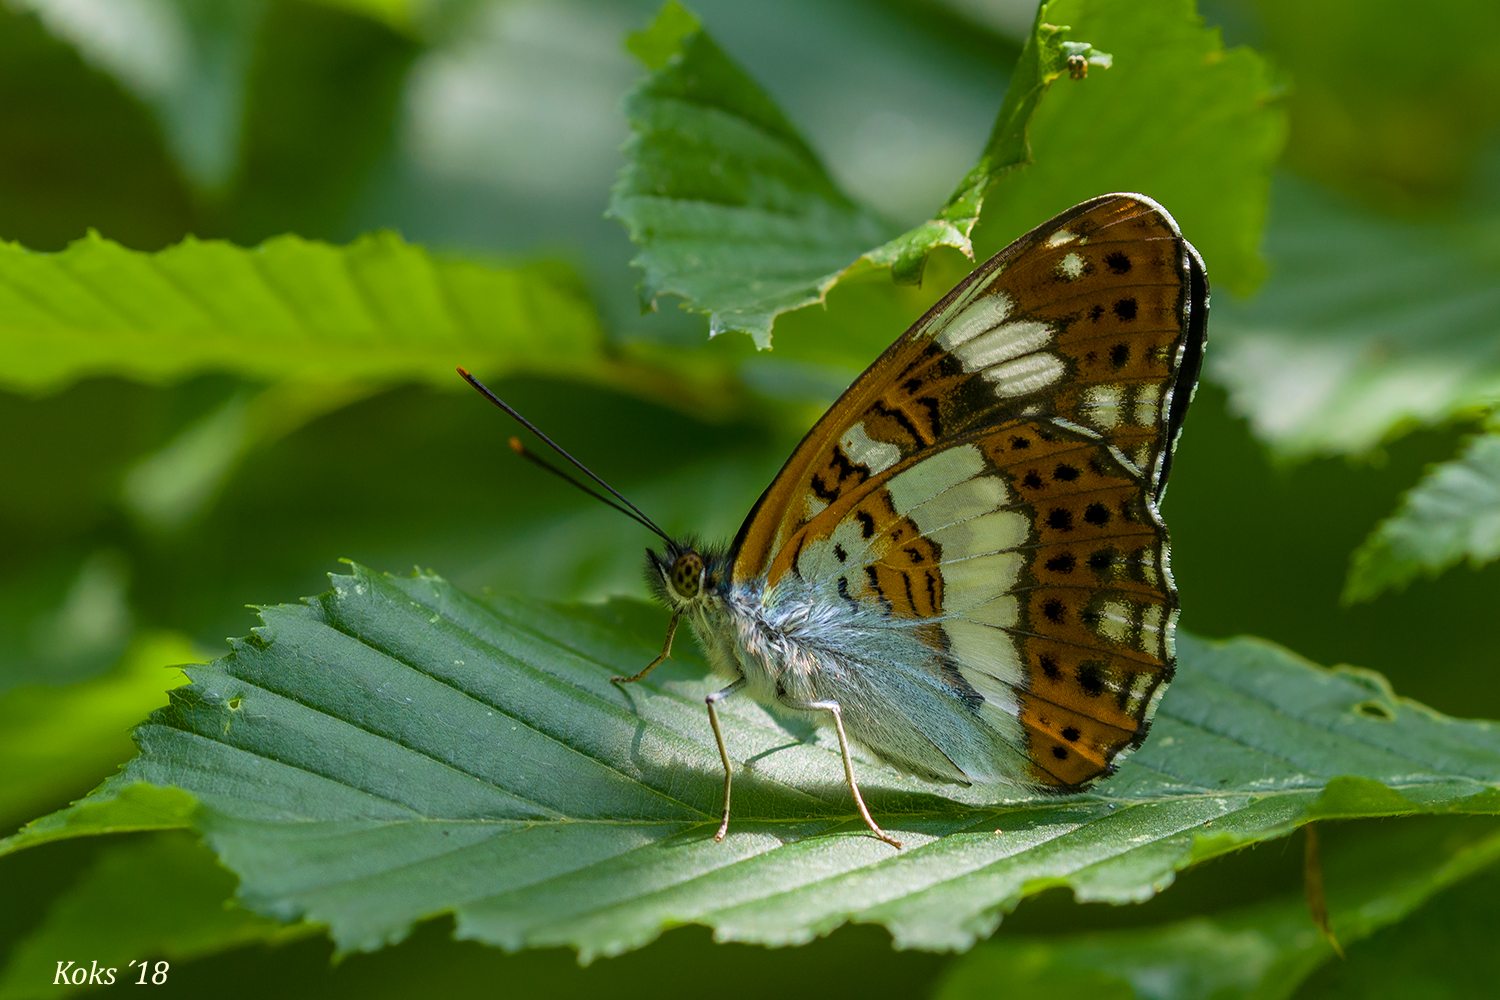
1260	952
159	898
60	740
129	808
1368	325
1453	514
1177	118
735	213
395	750
1046	57
377	310
730	207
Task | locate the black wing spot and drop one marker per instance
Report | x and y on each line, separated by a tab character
1065	473
1060	753
911	599
1071	734
1049	667
838	550
1053	609
844	588
1033	480
1096	313
1102	560
916	555
1097	514
1125	309
1091	677
1020	442
1063	563
821	490
866	523
1118	262
912	384
874	579
1119	355
1061	519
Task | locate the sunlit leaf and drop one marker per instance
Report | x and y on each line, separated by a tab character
730	207
1261	952
1367	326
1453	514
394	750
377	310
1047	56
735	213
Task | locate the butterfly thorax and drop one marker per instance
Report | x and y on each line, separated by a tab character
775	645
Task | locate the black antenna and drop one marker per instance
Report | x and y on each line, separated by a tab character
520	449
532	457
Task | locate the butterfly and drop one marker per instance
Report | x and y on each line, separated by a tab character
963	567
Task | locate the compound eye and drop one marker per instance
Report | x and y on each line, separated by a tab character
687	574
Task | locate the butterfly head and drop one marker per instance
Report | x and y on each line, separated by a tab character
684	575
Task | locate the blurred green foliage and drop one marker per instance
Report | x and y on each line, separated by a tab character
141	518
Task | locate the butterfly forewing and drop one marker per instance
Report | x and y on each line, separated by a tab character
991	483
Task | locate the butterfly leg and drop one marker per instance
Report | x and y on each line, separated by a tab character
713	720
832	707
666	651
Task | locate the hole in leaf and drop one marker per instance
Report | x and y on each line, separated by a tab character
234	703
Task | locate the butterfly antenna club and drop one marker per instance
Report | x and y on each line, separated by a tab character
629	509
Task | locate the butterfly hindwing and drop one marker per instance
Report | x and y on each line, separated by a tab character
1031	563
990	483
